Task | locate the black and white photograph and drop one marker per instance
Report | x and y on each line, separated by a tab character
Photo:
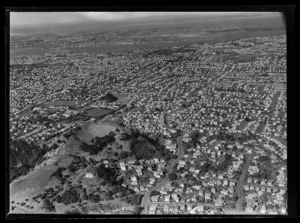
148	113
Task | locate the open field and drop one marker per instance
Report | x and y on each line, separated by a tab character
97	112
90	131
29	186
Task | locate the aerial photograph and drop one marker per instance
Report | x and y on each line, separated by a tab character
147	113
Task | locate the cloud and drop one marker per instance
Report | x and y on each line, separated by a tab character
39	18
111	16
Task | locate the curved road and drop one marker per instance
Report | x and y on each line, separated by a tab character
146	198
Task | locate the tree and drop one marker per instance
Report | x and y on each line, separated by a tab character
58	199
66	135
173	156
263	158
108	195
114	190
138	210
136	163
123	155
144	180
54	146
136	199
90	197
154	167
172	177
47	204
244	205
72	168
154	193
70	196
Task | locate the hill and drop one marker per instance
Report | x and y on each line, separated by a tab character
59	184
144	147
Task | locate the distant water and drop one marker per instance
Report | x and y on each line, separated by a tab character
212	38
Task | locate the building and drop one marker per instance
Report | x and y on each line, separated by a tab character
90	172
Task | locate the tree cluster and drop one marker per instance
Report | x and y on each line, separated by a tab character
173	177
154	193
108	98
24	155
69	196
48	205
108	174
125	136
123	155
223	166
134	199
138	210
194	138
58	174
144	147
98	144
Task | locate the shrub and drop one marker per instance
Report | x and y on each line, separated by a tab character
47	205
154	193
123	155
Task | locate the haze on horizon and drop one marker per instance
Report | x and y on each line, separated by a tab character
48	18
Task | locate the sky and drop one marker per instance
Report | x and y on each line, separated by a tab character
41	18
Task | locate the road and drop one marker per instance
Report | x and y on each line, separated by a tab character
45	131
186	203
30	133
240	186
146	198
241	181
266	186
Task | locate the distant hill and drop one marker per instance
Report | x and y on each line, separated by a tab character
257	20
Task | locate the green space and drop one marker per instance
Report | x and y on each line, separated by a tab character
97	112
25	156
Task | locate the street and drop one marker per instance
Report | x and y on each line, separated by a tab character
146	198
241	181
